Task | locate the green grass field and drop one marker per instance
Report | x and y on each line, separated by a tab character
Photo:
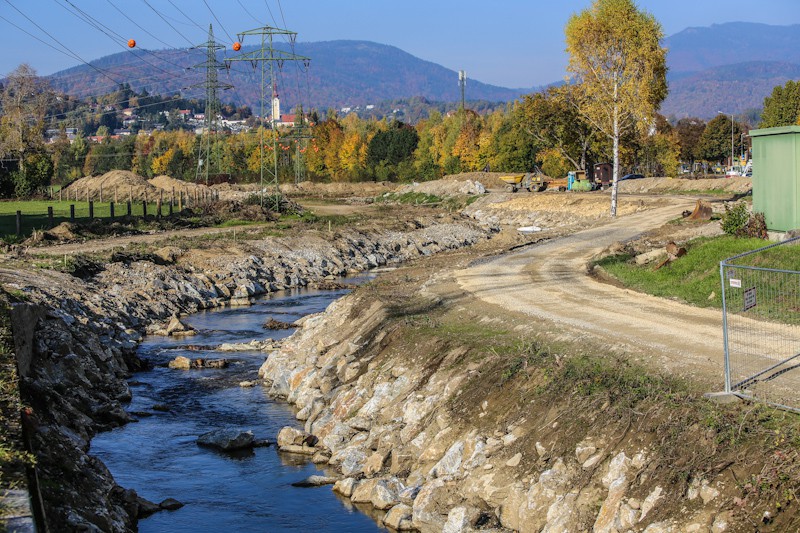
34	213
694	278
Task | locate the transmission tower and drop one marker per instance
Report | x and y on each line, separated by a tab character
300	135
212	85
268	56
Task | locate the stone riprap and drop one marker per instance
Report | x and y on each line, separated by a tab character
76	339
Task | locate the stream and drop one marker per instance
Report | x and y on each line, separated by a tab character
246	491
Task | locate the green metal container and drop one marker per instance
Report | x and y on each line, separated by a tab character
776	176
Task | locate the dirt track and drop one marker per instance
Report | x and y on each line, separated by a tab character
550	282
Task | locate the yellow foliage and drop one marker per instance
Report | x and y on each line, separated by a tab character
161	163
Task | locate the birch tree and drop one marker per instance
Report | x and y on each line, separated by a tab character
619	69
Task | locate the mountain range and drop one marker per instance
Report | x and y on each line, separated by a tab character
725	67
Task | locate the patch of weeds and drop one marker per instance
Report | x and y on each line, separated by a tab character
415	198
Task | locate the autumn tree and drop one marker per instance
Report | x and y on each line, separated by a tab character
553	119
24	101
688	132
426	156
782	107
619	69
505	144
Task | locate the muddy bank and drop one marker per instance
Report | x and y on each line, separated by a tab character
76	338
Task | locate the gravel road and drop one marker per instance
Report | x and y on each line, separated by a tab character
550	282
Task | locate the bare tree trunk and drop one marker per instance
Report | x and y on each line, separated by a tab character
616	164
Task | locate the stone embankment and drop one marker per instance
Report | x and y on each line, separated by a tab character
76	339
380	408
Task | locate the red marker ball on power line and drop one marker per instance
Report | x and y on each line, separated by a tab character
237	46
131	43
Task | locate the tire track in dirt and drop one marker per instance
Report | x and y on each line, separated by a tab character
550	282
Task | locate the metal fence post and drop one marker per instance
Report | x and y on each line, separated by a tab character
726	361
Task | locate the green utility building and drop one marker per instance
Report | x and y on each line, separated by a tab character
776	176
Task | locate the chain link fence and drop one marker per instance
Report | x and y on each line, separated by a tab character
761	324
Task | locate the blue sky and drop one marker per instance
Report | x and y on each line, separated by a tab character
511	43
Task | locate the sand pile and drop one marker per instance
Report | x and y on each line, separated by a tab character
490	180
122	184
168	185
733	185
550	210
446	187
339	189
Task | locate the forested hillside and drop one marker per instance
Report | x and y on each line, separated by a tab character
340	73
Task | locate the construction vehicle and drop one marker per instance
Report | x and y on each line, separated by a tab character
530	181
575	180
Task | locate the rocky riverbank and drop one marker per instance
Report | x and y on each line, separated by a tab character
76	338
444	417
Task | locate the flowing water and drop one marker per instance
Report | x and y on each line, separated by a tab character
247	491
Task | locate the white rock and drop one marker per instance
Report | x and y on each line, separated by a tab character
509	439
650	502
541	450
616	469
459	520
399	518
451	462
514	461
345	486
593	461
583	453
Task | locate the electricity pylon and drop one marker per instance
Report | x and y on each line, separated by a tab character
211	85
265	55
300	134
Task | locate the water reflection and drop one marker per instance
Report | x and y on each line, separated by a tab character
246	491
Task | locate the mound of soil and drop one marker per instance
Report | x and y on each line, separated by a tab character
123	184
490	180
339	189
554	209
169	184
733	185
445	187
78	231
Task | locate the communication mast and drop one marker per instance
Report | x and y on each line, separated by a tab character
462	82
265	55
211	86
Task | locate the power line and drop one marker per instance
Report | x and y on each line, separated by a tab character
91	21
218	21
117	38
185	15
121	12
167	22
67	50
248	12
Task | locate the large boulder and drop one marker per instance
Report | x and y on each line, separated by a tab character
227	439
177	328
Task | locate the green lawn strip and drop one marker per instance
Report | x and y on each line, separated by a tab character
695	277
34	213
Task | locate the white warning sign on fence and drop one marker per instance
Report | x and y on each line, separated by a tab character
736	283
749	298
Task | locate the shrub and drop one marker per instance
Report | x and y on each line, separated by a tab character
735	218
738	221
